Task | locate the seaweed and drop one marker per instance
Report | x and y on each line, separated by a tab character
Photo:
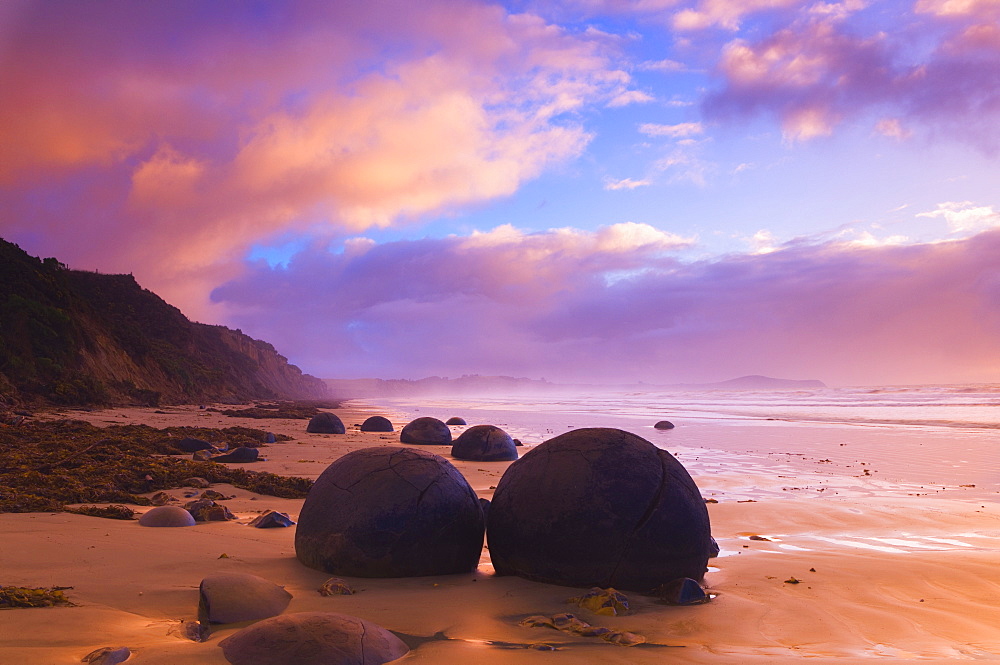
302	410
12	597
114	511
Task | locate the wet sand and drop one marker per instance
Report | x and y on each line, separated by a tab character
886	572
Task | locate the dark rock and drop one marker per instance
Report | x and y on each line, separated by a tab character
270	438
270	519
664	424
167	516
390	512
326	423
484	443
206	510
213	495
426	430
313	638
234	597
455	420
107	656
713	548
162	499
190	444
239	456
517	442
202	455
682	591
197	482
598	507
485	504
377	424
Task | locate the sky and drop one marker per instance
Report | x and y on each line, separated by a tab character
599	191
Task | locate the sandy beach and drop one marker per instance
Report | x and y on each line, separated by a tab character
884	572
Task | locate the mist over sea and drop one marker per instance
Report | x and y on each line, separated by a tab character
909	439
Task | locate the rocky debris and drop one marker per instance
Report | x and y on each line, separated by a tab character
107	656
206	510
682	591
484	443
569	623
425	430
607	602
377	424
335	587
189	444
390	512
167	516
213	495
270	519
598	507
313	638
196	482
325	423
162	499
234	597
202	455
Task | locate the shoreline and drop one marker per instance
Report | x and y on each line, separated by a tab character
891	577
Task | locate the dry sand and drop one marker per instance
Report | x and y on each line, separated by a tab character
884	575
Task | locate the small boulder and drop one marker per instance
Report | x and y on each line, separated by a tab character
664	424
326	423
271	519
313	638
190	444
239	456
162	499
682	591
426	430
206	510
199	483
484	443
270	438
107	656
202	455
390	512
167	516
455	420
234	597
377	424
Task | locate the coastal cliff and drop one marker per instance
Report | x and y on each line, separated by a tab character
75	337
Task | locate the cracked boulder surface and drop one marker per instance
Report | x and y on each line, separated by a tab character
326	423
313	638
599	507
425	430
390	512
484	443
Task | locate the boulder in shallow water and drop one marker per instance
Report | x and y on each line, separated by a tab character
326	423
313	638
167	516
455	420
390	512
377	424
426	430
239	456
599	507
484	443
234	597
664	424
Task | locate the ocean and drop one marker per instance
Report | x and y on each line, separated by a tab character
916	440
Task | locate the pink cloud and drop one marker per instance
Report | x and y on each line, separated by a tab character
613	305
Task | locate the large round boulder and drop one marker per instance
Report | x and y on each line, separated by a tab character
325	423
313	638
377	424
166	516
234	597
484	443
426	430
390	512
599	507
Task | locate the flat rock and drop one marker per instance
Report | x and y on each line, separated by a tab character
326	423
377	424
190	444
313	638
167	516
484	443
390	512
599	507
426	430
239	456
107	656
235	597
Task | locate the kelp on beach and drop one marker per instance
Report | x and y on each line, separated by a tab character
46	465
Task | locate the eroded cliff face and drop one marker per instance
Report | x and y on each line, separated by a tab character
76	337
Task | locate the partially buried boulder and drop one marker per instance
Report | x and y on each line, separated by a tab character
190	444
239	455
271	519
325	423
167	516
426	430
313	638
455	420
484	443
599	507
377	424
664	424
206	510
390	512
234	597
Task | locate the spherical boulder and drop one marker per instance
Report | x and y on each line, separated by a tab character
377	424
484	443
325	423
390	512
599	507
167	516
234	597
313	638
664	424
426	430
455	420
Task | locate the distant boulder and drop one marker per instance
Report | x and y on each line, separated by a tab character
484	443
190	444
426	430
239	455
207	510
664	424
390	512
167	516
455	420
377	424
599	507
325	423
